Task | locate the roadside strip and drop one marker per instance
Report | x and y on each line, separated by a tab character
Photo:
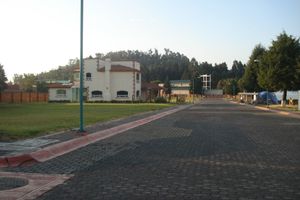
271	110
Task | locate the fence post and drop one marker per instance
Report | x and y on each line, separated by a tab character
11	97
299	100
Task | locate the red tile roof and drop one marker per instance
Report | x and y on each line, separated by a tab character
59	85
148	86
119	68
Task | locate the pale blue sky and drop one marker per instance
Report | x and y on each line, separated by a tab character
39	35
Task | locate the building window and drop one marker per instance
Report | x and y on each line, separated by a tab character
88	76
138	77
96	94
122	94
61	93
138	93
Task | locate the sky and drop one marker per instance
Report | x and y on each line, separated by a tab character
40	35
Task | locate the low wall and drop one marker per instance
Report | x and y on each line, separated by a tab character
213	92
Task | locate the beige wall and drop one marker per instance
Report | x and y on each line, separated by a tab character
180	92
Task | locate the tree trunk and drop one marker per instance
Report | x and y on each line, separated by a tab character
283	100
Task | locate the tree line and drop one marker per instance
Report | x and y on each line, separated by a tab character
155	67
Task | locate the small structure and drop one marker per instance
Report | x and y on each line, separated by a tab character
180	87
150	91
59	92
248	97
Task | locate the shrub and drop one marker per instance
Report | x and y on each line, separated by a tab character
160	100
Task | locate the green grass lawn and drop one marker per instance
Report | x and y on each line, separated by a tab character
28	120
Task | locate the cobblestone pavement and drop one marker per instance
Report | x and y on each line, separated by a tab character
213	150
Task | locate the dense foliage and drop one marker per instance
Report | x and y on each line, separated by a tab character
3	78
249	81
280	65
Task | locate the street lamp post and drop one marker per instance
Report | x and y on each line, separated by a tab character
81	128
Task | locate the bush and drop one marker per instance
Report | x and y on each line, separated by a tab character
180	99
160	100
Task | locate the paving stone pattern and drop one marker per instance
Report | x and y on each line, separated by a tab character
213	150
7	183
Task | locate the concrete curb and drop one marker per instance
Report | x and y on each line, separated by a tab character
270	110
279	112
62	148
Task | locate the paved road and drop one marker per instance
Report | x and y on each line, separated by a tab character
213	150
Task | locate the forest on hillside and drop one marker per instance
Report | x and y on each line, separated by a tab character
157	67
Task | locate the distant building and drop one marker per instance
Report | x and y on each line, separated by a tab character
59	92
103	81
112	80
180	87
150	91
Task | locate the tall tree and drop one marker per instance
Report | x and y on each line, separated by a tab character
280	66
220	71
249	80
27	82
41	86
3	78
229	86
237	70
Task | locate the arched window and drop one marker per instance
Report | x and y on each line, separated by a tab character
122	93
88	76
96	94
137	77
138	93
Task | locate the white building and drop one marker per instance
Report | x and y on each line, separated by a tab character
103	81
112	80
59	92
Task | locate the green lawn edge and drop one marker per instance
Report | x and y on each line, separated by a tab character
20	121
